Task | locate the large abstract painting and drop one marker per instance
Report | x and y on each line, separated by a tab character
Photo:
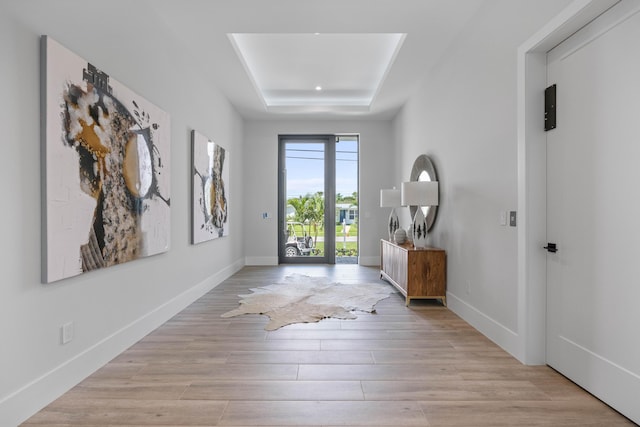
210	189
106	161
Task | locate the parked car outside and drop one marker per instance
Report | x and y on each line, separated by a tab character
297	245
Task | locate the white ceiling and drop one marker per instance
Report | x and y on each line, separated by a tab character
368	55
307	71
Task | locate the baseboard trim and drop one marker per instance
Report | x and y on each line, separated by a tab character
369	261
23	403
612	383
261	260
504	337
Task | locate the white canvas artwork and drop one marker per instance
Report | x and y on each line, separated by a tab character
106	190
210	189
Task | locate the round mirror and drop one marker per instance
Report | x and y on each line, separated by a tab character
423	170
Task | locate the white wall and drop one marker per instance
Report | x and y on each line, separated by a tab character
464	116
377	154
111	308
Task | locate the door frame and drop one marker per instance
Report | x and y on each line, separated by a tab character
530	343
329	198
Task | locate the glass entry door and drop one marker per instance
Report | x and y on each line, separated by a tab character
346	199
306	208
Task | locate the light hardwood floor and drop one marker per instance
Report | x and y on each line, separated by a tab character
418	366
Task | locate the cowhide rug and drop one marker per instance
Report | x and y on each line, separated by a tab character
303	299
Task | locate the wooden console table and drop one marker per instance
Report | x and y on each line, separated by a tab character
417	273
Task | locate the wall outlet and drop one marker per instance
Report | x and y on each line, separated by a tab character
67	332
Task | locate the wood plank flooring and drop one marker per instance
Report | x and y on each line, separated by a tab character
418	366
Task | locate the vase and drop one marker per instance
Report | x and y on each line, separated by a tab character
400	236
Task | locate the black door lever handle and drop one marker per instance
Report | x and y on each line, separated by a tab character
551	247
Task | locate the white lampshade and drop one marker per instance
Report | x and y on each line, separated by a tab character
389	198
419	193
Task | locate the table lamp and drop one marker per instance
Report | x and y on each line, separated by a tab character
419	193
391	199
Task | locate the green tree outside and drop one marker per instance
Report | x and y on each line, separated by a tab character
309	211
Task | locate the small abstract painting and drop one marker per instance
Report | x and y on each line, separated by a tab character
210	189
106	181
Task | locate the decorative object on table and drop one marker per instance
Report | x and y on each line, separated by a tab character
106	168
400	236
304	299
391	199
210	189
424	170
409	233
419	194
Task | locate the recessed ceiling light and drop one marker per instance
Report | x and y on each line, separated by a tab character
318	88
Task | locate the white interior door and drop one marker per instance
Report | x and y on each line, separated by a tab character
593	209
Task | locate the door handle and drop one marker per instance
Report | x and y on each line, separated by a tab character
551	247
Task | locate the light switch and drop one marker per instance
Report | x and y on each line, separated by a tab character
503	218
512	218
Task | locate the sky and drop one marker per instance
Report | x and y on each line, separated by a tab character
305	168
